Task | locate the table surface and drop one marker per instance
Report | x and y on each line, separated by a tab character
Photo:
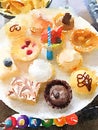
88	117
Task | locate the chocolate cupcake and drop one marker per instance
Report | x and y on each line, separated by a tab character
58	93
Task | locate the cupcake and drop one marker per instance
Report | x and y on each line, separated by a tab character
24	89
58	38
25	49
39	24
15	30
69	60
41	70
84	40
58	94
83	81
68	22
65	20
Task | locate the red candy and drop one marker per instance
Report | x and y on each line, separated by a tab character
72	119
54	35
10	123
29	52
59	31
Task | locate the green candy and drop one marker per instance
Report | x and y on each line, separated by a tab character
47	122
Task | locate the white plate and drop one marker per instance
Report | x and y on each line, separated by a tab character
41	109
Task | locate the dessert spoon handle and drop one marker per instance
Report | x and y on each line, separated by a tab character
66	4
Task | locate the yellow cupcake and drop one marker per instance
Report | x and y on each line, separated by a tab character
25	49
83	81
15	30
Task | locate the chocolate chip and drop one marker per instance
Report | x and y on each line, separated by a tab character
66	18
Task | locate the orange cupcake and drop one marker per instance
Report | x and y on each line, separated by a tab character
84	40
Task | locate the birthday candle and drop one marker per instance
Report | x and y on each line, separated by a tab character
49	49
49	36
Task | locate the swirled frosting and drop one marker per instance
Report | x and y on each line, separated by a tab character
22	88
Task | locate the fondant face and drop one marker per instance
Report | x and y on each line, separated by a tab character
25	49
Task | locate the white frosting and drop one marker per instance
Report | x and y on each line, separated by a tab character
40	70
67	58
69	62
23	88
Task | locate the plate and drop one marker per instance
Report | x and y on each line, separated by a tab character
41	109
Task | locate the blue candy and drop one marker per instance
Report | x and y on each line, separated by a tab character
34	122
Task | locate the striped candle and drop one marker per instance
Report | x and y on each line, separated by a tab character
49	36
49	49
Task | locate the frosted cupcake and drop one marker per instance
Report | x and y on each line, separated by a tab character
65	20
25	49
15	30
58	94
41	70
84	40
83	81
58	39
69	60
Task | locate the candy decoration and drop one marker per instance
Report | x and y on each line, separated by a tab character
22	121
10	123
47	123
60	121
49	49
72	119
34	122
55	36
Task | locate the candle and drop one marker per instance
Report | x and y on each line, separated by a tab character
49	49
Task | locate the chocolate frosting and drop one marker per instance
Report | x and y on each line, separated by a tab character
58	93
